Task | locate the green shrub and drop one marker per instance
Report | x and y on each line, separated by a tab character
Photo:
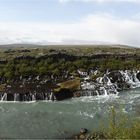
119	127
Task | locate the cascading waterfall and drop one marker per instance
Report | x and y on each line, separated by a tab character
105	91
16	97
87	85
4	97
51	96
99	80
97	92
135	77
33	98
104	85
109	83
27	97
130	78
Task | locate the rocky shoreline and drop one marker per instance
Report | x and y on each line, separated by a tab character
84	134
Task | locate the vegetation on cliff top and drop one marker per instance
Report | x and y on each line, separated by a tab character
55	61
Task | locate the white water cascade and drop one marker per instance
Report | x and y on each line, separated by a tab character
51	96
4	97
16	97
110	83
33	98
130	78
26	97
104	86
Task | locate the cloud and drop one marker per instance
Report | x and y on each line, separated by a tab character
93	28
100	1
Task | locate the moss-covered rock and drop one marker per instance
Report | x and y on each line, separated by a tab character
69	84
67	89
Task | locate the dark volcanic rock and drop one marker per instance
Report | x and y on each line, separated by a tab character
77	94
10	97
63	94
116	76
138	76
82	135
35	88
83	131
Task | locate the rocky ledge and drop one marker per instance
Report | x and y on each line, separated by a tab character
83	83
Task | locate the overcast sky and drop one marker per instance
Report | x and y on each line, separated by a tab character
70	21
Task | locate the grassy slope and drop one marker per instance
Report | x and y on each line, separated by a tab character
11	52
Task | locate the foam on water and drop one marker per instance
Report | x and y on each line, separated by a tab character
101	98
86	114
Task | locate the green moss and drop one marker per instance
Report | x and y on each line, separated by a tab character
70	84
94	77
2	87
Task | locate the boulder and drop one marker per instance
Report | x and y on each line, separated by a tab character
77	94
83	130
115	76
63	94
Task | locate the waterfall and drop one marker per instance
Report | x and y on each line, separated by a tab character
33	98
87	85
51	96
27	97
4	97
103	86
130	78
135	77
95	72
110	83
105	91
97	92
88	93
24	97
99	80
16	97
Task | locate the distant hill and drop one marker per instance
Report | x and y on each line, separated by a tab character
9	46
19	45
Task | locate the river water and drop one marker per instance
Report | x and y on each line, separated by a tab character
41	120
